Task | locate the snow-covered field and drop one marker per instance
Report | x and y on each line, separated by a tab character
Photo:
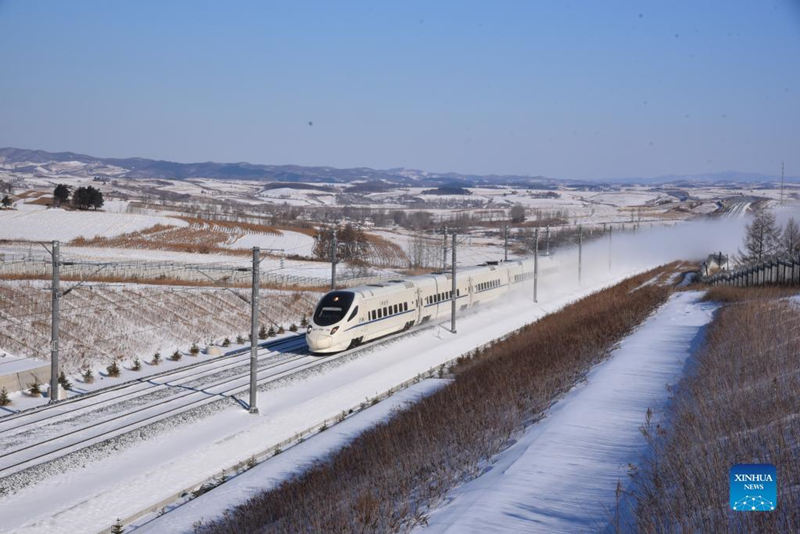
561	475
37	223
287	242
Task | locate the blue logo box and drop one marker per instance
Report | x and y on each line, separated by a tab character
753	488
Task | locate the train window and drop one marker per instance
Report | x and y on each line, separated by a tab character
333	307
405	306
372	315
385	313
355	311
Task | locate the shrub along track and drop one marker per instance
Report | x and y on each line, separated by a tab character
740	405
388	477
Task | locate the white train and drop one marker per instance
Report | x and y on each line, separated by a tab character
348	317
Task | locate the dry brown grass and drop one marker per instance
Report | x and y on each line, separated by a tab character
388	477
203	236
384	252
741	294
740	405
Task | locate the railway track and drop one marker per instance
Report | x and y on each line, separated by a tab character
87	424
138	387
277	361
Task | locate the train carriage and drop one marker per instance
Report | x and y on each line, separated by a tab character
348	317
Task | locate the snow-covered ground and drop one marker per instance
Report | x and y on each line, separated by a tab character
37	223
287	242
273	471
139	477
91	498
561	475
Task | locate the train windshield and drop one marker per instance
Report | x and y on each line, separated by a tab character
333	307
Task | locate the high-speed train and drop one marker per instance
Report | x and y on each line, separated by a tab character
348	317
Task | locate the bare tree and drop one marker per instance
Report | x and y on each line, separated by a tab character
517	213
791	238
424	251
762	238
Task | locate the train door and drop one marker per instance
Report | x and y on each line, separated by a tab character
420	306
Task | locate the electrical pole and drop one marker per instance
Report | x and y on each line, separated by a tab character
536	265
254	332
333	259
547	241
580	253
56	297
610	233
505	243
444	248
781	183
454	290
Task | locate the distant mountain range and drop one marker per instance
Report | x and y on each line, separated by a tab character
51	164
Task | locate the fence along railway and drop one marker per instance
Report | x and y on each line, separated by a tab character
776	271
20	266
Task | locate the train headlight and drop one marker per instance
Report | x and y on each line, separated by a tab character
308	330
334	329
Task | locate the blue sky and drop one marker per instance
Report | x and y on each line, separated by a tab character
562	89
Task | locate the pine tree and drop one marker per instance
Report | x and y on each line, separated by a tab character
271	332
240	340
87	197
6	201
64	381
137	365
113	369
60	194
293	328
304	321
262	332
175	356
88	376
194	350
34	389
4	400
762	238
156	358
117	528
226	342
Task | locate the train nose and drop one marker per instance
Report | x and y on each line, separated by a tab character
318	339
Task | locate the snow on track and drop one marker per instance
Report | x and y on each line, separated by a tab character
562	473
